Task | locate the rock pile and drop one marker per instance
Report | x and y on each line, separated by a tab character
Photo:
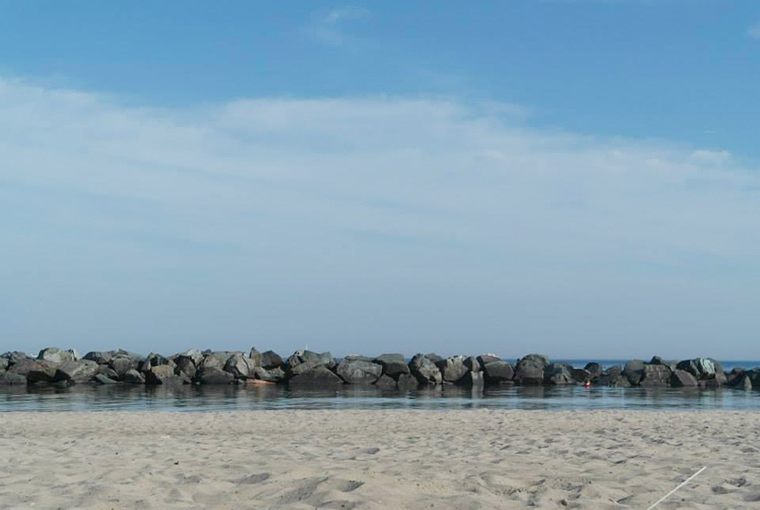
307	368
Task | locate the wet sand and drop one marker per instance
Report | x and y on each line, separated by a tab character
379	459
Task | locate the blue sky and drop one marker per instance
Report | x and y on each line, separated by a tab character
577	177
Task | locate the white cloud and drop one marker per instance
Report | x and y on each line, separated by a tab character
317	218
754	31
329	28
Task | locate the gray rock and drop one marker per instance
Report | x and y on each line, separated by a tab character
683	379
634	371
407	382
656	360
241	367
386	382
316	377
270	360
185	365
99	357
56	355
134	377
581	375
76	372
122	361
41	371
656	375
256	357
558	374
14	357
701	368
746	383
211	361
453	368
540	359
4	362
101	379
613	376
317	359
194	355
530	370
393	364
425	370
12	379
108	372
164	375
485	359
497	372
594	370
472	364
434	357
213	375
275	375
22	366
473	379
359	371
155	360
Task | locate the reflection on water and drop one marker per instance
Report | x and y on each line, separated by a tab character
229	398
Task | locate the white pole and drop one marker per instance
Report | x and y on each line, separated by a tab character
666	496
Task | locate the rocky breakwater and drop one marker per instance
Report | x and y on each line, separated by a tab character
312	369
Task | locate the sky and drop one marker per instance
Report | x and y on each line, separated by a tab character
578	178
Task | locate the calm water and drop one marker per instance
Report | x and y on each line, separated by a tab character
229	398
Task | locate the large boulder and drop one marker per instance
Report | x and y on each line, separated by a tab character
155	360
318	359
164	375
14	357
213	375
318	376
703	368
256	356
613	376
275	375
77	372
99	357
270	360
530	369
4	362
498	372
12	379
425	370
241	367
185	365
656	360
22	366
453	368
434	357
484	359
194	355
656	375
407	382
472	364
558	374
581	375
210	361
354	370
634	371
594	370
41	371
122	361
386	382
56	355
471	378
393	365
104	380
683	379
134	377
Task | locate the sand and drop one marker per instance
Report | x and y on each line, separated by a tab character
379	459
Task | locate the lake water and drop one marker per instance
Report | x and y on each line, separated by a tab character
230	398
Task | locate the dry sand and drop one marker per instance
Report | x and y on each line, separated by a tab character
379	459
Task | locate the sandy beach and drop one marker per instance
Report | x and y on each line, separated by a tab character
379	459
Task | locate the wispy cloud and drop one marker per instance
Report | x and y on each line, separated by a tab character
431	217
330	28
754	31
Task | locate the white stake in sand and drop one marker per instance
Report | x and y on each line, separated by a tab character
666	496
